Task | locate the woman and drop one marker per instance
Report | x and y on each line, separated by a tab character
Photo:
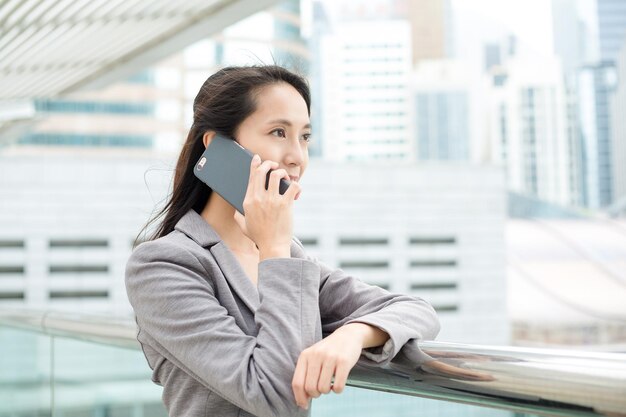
234	318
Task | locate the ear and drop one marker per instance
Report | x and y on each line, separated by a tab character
207	138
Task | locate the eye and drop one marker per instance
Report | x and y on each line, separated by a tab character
281	132
307	137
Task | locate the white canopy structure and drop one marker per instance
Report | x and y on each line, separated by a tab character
50	48
54	47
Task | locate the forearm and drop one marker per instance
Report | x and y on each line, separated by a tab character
370	336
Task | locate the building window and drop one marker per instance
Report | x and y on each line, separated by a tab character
364	264
78	243
11	295
72	269
432	263
95	107
359	241
11	244
74	139
421	286
11	269
78	294
444	308
308	241
443	240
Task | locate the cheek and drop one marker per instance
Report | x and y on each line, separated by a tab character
258	144
271	151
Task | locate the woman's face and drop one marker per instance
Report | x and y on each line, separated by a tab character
279	129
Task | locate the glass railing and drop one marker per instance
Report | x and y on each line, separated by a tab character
65	364
94	369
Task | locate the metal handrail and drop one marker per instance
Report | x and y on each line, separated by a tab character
550	382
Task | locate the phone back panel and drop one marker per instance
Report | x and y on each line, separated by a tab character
225	167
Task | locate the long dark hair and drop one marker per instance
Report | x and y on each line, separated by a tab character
225	99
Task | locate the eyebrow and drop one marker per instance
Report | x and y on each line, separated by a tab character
287	122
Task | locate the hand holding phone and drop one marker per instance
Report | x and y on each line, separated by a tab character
269	216
229	170
225	167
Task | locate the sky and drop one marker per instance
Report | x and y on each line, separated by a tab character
479	21
529	20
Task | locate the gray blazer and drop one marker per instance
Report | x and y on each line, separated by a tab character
221	346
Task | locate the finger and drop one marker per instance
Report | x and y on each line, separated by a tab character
312	377
294	188
261	175
297	383
341	376
323	385
275	177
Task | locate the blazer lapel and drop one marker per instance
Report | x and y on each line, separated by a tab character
199	230
236	276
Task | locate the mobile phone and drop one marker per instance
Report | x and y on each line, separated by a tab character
225	167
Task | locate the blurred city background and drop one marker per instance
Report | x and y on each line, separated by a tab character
470	152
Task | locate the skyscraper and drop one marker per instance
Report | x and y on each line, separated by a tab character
431	29
571	35
440	97
364	73
320	27
289	45
528	128
618	130
142	112
430	22
611	27
590	79
595	84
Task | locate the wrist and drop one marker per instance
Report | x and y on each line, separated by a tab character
355	331
366	334
274	252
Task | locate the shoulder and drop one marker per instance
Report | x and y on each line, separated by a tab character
172	245
160	266
173	251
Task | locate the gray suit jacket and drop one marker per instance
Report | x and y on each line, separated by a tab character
221	346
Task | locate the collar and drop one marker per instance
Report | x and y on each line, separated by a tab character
199	230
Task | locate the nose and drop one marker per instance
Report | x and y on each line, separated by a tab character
295	153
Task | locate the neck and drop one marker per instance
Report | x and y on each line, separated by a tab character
220	215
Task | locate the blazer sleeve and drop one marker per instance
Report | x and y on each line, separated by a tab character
345	299
175	304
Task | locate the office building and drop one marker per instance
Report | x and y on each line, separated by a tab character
431	29
528	129
142	112
320	27
66	240
618	131
364	78
595	84
611	27
441	101
572	35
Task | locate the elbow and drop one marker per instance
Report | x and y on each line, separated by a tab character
431	320
436	325
283	404
267	392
